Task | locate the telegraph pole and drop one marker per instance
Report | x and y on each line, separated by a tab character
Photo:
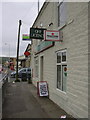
20	23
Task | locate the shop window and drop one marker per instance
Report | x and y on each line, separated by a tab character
61	14
61	70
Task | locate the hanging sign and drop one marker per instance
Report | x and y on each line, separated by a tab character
25	37
37	33
42	88
50	35
27	53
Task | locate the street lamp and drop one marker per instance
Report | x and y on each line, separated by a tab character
20	23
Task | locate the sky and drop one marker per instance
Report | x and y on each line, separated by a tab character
11	12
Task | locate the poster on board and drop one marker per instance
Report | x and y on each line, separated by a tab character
42	88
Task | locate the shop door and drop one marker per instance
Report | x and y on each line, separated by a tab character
41	68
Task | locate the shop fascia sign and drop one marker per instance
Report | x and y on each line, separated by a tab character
51	35
37	33
25	37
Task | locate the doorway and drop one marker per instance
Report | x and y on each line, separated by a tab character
41	68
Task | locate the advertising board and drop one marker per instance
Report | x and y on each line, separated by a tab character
42	88
37	33
50	35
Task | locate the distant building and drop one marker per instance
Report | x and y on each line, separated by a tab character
22	61
25	59
4	59
27	54
13	59
64	65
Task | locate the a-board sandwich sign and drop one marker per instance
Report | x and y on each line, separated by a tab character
42	88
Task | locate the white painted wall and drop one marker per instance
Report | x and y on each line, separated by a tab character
75	39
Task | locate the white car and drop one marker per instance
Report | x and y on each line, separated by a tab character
26	71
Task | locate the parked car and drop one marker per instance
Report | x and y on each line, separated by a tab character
25	71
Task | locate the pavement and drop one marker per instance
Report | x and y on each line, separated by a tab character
21	101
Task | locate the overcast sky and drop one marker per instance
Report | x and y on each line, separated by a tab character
12	12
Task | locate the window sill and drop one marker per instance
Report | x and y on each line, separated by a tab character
61	91
62	94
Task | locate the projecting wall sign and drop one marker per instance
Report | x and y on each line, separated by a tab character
50	35
37	33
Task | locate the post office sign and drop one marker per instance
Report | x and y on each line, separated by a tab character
50	35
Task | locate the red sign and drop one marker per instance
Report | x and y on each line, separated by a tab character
27	53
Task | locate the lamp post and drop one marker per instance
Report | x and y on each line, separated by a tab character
20	23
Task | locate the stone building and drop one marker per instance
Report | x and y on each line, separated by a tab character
64	65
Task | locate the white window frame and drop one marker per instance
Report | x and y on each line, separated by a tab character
61	64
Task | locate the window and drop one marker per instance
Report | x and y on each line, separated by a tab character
61	70
22	70
61	14
29	70
36	67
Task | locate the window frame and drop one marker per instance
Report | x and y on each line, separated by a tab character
36	65
60	25
62	63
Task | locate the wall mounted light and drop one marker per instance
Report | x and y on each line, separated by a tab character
50	24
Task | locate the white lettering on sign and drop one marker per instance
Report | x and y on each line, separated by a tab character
37	35
38	31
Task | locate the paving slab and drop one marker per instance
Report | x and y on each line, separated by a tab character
52	109
21	101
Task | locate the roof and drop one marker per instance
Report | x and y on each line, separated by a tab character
40	12
28	47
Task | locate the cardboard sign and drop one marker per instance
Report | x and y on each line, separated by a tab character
42	88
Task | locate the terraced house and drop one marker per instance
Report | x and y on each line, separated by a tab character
63	64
